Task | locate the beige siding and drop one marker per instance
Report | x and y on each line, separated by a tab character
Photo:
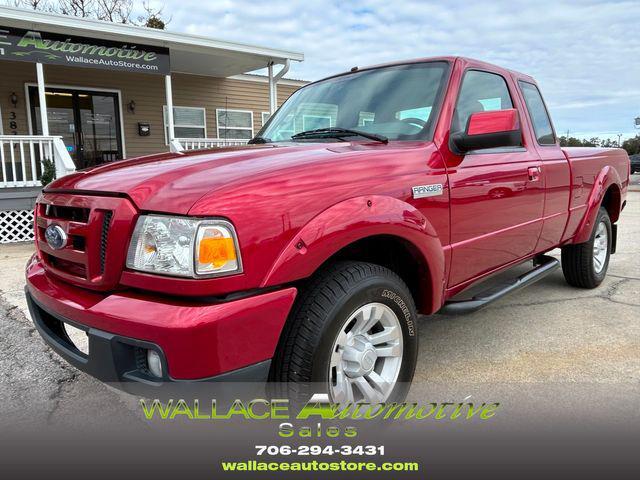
148	93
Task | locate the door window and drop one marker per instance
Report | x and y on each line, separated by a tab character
480	92
538	114
98	128
60	116
87	121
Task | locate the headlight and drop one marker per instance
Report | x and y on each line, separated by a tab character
185	247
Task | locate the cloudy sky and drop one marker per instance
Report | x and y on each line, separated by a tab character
585	54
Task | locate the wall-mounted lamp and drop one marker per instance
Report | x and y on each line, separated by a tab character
14	99
131	106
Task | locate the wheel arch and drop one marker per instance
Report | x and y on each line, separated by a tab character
606	192
376	229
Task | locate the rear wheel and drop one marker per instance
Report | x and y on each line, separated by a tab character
585	265
352	334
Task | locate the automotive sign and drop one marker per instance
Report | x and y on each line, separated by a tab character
42	47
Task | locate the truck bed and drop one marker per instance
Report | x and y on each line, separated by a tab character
586	163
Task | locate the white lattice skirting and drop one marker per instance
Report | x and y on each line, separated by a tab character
16	226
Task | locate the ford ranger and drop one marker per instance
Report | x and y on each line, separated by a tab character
368	198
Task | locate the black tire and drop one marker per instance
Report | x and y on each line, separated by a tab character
578	263
323	307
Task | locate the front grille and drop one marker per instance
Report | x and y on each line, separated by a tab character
106	221
97	229
73	268
60	212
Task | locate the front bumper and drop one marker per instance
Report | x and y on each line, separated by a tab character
232	340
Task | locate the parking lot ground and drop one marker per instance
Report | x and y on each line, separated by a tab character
547	333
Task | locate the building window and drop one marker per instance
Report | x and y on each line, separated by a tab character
314	122
421	113
234	124
188	122
366	118
265	117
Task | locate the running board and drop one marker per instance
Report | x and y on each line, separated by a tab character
545	266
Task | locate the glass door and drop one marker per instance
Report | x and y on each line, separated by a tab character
87	121
60	113
98	122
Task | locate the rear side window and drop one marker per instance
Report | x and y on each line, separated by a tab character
538	114
480	92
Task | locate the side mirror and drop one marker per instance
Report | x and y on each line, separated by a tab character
498	128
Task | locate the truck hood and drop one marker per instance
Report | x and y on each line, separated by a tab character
173	183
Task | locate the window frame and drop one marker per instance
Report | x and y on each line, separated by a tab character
262	114
546	110
455	107
164	121
251	129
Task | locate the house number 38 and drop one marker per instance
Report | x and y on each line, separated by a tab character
13	125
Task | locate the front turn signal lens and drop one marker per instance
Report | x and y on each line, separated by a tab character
216	249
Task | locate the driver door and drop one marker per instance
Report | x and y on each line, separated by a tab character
496	195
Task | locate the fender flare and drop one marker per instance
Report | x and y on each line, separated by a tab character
606	177
355	219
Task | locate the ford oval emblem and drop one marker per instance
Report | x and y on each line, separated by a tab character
55	236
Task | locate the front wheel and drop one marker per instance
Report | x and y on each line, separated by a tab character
352	334
585	265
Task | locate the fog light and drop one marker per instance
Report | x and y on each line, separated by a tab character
154	363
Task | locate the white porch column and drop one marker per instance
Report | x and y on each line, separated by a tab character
44	120
174	145
273	95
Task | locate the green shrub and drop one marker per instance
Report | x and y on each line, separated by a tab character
48	172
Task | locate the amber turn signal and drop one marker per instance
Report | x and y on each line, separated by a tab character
216	251
216	248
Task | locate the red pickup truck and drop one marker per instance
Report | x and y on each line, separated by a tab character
369	197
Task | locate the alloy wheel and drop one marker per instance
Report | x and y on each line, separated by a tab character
366	356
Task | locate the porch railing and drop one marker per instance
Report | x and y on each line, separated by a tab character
21	157
204	143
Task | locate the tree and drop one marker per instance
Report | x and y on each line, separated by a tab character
632	145
608	143
43	5
117	11
576	142
77	8
152	17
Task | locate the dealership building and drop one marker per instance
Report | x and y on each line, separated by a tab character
78	92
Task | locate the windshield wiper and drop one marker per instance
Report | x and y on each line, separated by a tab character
256	140
337	132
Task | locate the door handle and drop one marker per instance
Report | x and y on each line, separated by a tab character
534	174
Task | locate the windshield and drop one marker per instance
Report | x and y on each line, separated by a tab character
398	102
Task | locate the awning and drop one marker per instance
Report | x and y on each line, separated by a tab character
189	53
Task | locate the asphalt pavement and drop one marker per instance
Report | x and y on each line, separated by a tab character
548	333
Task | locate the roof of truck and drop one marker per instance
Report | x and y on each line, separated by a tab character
446	58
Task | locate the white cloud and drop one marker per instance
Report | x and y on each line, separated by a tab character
585	55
